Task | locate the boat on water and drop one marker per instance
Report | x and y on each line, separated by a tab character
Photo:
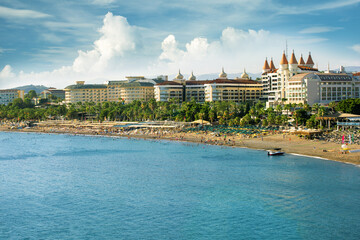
275	152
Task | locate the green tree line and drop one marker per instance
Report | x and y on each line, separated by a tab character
226	113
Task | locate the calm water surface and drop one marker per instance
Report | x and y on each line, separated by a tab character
79	187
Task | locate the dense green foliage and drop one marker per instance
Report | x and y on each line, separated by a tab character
351	105
225	113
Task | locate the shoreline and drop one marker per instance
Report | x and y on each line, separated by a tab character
290	144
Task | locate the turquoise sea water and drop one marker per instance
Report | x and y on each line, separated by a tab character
81	187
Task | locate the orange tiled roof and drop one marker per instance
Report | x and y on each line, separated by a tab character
308	68
272	66
301	61
283	59
309	60
293	59
356	74
266	65
273	71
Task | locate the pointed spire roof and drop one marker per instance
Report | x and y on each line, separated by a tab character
293	59
272	66
192	77
266	65
283	59
309	60
301	60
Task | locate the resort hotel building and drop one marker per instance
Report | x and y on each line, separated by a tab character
59	93
134	88
275	80
322	88
221	89
81	92
9	95
299	82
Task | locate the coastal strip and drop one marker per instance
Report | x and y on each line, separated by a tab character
290	144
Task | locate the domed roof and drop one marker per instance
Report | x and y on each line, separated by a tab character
244	75
192	77
179	76
222	74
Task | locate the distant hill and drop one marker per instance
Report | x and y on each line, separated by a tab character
38	88
350	69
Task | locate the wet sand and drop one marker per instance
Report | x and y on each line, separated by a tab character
288	143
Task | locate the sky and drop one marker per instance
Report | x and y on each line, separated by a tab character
55	43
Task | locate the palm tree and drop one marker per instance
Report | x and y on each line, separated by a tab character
287	107
315	107
279	109
332	106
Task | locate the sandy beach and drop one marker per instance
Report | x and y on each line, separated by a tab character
287	142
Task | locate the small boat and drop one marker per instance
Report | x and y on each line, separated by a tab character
275	152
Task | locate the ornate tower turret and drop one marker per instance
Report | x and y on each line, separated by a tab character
293	64
272	66
245	75
284	62
223	74
179	76
310	62
192	77
266	67
301	61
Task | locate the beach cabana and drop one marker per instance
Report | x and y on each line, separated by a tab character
200	122
348	120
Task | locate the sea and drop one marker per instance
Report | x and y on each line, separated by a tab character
56	186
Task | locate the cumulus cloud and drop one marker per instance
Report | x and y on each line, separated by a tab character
117	38
120	50
6	72
231	50
171	52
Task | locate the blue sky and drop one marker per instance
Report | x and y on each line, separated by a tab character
57	42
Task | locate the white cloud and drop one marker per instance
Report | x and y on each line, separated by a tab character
12	13
117	38
356	48
120	50
235	49
319	29
6	73
305	9
103	2
197	48
170	49
53	38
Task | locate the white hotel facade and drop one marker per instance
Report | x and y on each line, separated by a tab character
299	82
